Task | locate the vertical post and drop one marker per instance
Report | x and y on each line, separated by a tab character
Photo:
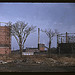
61	39
59	51
38	37
66	38
72	49
57	41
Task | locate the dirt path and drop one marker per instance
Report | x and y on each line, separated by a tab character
21	67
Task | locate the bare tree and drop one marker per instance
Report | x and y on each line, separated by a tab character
20	30
50	35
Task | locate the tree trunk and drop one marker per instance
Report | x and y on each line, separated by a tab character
20	51
20	47
49	50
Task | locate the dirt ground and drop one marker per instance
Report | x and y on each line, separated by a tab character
34	68
36	63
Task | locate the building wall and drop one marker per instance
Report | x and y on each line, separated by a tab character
41	47
5	50
66	48
31	50
5	40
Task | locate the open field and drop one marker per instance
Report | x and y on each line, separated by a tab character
36	63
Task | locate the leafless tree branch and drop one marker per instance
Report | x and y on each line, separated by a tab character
20	30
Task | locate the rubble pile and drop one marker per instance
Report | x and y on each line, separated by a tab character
66	61
62	61
55	61
2	62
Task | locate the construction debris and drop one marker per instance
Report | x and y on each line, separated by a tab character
2	62
39	60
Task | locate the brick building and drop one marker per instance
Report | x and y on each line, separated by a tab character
41	47
32	50
5	40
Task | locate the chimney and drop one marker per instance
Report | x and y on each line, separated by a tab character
38	37
66	38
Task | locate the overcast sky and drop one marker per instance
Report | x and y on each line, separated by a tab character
60	16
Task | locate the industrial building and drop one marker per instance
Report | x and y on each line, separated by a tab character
66	43
5	39
31	49
41	46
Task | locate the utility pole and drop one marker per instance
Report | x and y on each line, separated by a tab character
59	51
57	41
38	37
61	39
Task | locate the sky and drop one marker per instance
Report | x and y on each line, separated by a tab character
60	16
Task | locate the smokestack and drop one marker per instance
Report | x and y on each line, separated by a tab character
38	37
66	38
